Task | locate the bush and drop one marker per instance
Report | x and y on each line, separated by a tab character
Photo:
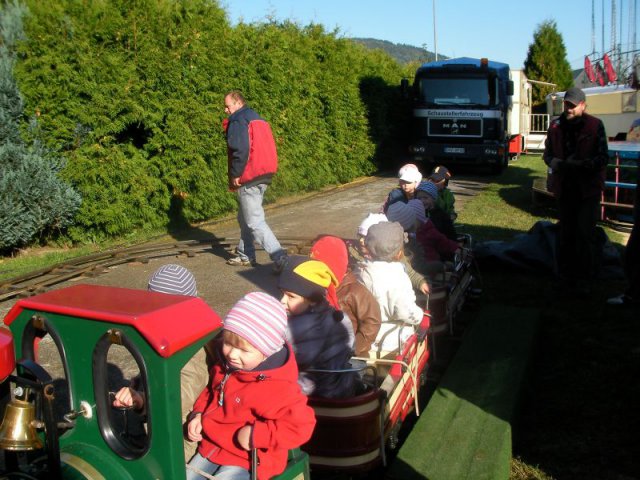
133	95
35	202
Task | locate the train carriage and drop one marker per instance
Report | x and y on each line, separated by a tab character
106	336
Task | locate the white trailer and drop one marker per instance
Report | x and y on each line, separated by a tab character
519	125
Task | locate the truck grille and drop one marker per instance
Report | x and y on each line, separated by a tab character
451	127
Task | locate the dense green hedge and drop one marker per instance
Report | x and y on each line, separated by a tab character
131	92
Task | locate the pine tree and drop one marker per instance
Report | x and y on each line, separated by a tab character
34	200
547	61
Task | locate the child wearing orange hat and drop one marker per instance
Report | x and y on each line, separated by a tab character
352	297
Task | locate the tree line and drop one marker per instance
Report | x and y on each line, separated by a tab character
129	96
111	112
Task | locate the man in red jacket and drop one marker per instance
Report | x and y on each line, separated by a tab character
252	162
577	155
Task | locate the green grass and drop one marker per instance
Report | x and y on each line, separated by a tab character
465	431
580	417
505	207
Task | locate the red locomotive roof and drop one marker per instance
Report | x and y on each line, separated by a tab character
168	322
7	355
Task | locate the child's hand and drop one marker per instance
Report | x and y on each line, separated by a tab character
424	288
194	428
244	437
128	397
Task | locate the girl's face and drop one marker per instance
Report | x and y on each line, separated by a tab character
242	355
409	188
440	185
294	303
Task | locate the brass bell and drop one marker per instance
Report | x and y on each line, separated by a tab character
17	431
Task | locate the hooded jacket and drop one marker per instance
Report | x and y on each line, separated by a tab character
322	341
391	287
251	149
270	400
362	308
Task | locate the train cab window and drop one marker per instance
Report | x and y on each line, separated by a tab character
116	364
42	344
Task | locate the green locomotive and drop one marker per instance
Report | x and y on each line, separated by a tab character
59	421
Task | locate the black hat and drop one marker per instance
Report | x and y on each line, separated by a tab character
574	95
440	173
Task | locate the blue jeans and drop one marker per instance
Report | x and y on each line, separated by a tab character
221	472
253	226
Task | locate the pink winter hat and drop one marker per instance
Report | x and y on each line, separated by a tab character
261	320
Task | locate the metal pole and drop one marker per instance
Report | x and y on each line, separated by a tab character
603	27
435	36
593	27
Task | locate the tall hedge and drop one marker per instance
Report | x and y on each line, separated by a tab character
132	92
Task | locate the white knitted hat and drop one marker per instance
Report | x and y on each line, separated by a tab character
371	219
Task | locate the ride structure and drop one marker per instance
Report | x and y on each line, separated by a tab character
616	105
461	111
67	351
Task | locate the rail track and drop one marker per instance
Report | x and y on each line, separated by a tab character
39	281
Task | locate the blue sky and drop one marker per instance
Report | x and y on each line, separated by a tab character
499	29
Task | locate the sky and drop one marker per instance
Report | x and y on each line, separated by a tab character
501	30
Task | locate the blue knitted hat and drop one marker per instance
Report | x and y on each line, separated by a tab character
430	188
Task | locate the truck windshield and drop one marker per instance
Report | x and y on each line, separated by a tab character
457	91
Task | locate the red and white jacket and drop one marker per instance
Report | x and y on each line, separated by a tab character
251	148
269	400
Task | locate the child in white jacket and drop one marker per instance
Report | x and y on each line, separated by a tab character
385	277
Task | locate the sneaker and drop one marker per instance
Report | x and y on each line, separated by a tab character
241	262
622	300
279	264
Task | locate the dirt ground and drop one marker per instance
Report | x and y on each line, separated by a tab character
336	211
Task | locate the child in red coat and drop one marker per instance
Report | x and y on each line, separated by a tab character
253	400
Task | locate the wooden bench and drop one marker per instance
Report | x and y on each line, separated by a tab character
465	431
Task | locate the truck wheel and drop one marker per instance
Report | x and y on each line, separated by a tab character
497	168
501	165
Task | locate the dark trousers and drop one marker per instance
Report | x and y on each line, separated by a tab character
579	257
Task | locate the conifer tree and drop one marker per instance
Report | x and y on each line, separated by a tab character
547	61
34	200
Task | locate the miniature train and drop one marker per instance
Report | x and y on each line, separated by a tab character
59	421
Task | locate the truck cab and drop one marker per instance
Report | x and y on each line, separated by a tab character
460	112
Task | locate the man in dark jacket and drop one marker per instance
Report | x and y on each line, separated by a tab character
252	162
577	155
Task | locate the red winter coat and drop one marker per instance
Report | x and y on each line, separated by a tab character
270	400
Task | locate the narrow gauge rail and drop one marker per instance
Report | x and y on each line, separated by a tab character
40	281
